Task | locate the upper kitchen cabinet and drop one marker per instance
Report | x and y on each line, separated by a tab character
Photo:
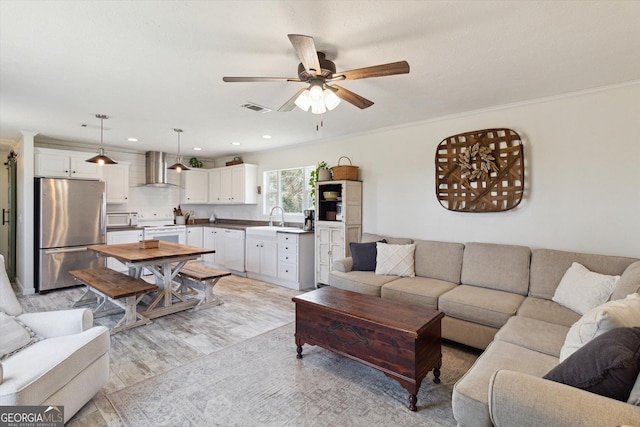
234	185
117	180
195	186
65	164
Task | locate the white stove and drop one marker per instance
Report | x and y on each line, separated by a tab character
158	225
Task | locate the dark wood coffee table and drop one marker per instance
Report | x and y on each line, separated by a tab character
401	340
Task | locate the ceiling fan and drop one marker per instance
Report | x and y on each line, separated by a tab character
318	71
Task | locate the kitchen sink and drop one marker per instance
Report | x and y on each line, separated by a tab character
269	230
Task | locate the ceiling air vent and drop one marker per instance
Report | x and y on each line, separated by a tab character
255	107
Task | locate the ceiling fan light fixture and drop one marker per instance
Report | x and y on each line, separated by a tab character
303	101
315	93
178	166
331	100
101	158
318	107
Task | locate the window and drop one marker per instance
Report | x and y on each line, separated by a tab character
288	188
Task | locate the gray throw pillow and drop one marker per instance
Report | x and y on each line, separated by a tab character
364	255
607	365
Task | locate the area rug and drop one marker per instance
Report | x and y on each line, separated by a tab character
260	382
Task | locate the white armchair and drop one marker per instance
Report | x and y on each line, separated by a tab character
66	368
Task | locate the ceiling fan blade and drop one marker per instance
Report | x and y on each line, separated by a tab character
401	67
291	103
260	79
351	97
306	50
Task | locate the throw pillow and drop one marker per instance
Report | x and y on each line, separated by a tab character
364	255
608	316
629	282
395	260
581	289
608	365
15	336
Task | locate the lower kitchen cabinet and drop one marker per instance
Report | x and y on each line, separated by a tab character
195	236
123	236
262	257
332	243
286	259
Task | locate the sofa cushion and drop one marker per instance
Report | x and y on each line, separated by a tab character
8	301
608	365
480	305
608	316
395	260
534	334
364	255
439	260
29	378
629	282
493	266
548	311
581	289
364	282
549	265
370	237
470	394
16	336
422	291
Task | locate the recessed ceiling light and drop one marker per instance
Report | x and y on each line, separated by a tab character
197	149
235	143
266	136
132	139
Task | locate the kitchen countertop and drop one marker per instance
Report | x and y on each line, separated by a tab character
243	225
125	228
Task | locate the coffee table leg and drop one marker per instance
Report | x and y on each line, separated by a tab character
299	350
436	372
413	399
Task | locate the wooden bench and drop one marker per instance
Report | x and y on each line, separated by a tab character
195	275
111	285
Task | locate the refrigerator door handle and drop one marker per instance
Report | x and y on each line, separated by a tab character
63	250
103	216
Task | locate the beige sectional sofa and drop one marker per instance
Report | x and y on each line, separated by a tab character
499	298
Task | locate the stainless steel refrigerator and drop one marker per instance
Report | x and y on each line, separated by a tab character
69	216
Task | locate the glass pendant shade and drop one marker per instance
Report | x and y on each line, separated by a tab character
178	166
101	158
317	99
302	101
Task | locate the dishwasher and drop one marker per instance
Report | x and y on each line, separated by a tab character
234	249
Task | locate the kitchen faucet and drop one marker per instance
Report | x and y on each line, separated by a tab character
271	216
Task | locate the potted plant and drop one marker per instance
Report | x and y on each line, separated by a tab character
195	163
321	173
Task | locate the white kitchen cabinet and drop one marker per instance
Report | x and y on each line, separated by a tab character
195	186
295	260
234	184
209	237
116	178
214	186
261	257
122	236
52	163
338	223
195	236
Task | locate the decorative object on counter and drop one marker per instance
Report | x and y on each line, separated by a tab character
178	166
322	172
236	161
480	171
348	172
195	163
101	158
180	220
212	218
149	243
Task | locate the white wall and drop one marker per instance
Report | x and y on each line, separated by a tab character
582	160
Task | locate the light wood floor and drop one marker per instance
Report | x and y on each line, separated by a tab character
250	308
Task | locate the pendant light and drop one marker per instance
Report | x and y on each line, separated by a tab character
101	158
178	166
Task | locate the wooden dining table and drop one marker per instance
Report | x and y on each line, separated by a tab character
164	262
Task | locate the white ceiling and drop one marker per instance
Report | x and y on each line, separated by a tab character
156	65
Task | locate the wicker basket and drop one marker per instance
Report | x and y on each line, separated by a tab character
345	172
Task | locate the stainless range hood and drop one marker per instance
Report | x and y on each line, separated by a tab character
156	169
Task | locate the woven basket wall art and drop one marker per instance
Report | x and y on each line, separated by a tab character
480	171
